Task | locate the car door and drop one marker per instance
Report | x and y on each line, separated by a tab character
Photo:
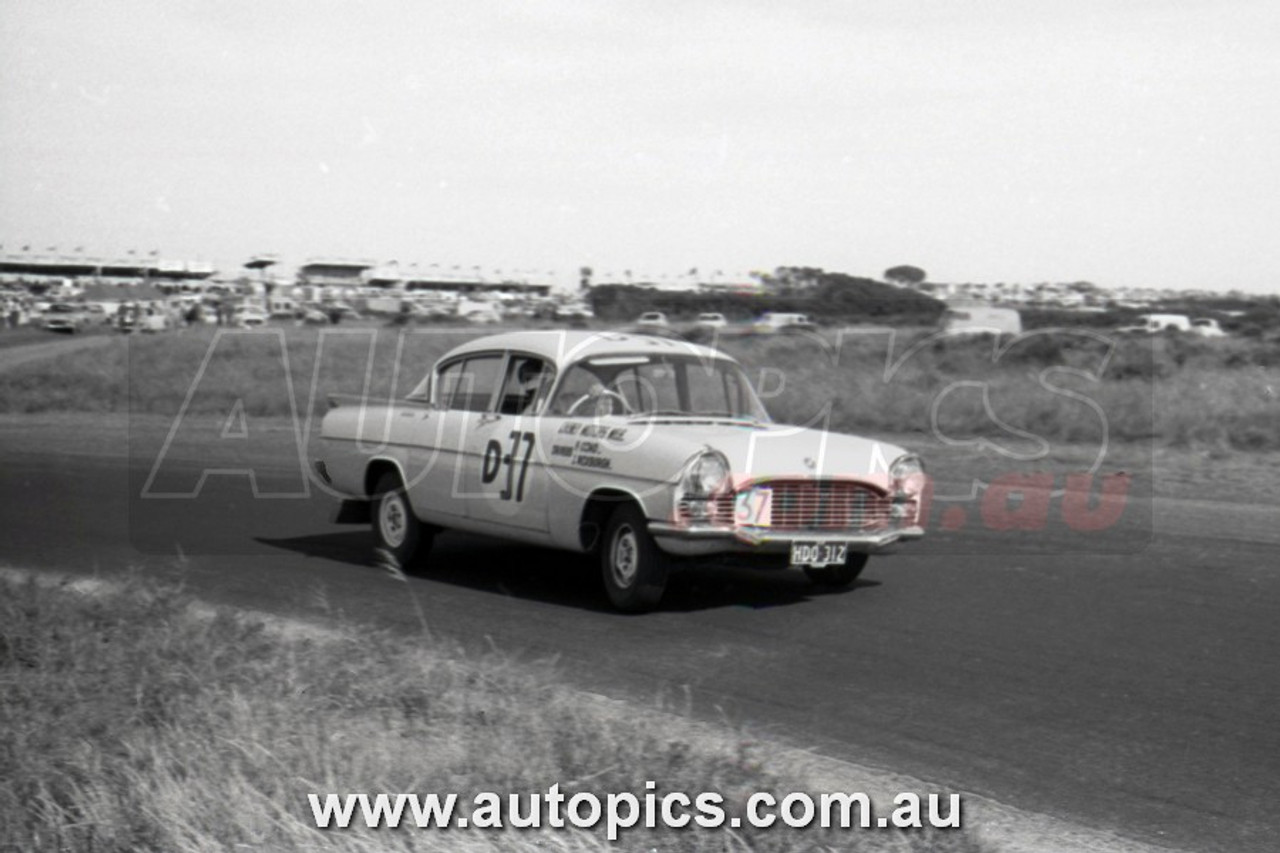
506	475
461	394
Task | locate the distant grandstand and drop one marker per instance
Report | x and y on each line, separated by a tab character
457	280
334	272
28	267
322	273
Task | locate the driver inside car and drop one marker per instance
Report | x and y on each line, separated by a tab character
594	400
523	387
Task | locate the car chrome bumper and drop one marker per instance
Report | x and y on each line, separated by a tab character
701	540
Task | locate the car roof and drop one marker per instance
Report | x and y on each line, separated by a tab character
563	346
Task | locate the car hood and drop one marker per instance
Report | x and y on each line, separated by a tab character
767	451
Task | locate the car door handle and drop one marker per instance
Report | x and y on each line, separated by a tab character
489	417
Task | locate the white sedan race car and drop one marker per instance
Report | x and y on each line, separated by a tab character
649	452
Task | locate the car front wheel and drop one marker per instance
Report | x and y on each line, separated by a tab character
633	566
396	529
838	577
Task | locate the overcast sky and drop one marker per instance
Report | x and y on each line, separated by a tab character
1124	142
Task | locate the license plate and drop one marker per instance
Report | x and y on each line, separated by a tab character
819	554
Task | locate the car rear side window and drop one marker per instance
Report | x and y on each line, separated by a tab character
469	384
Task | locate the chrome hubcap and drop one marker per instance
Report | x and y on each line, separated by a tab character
393	520
626	557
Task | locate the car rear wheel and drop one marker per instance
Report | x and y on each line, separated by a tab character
838	577
397	531
633	566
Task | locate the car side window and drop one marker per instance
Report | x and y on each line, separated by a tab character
447	383
527	382
468	384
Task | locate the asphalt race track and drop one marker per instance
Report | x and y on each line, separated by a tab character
1135	692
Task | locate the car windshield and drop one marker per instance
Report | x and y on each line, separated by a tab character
653	385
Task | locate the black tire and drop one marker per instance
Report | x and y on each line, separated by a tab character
839	577
396	530
632	565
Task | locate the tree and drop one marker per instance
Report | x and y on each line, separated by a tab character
905	275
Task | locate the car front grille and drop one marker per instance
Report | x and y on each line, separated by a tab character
810	505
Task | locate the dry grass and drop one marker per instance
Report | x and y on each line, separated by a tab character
1182	393
130	723
1062	388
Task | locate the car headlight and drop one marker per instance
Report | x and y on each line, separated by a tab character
906	475
703	478
705	475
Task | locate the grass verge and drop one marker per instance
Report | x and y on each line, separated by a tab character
1059	387
130	721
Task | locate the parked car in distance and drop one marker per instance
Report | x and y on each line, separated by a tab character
429	311
651	454
652	318
774	322
142	317
574	311
711	320
249	318
66	317
101	313
310	315
1154	323
484	313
